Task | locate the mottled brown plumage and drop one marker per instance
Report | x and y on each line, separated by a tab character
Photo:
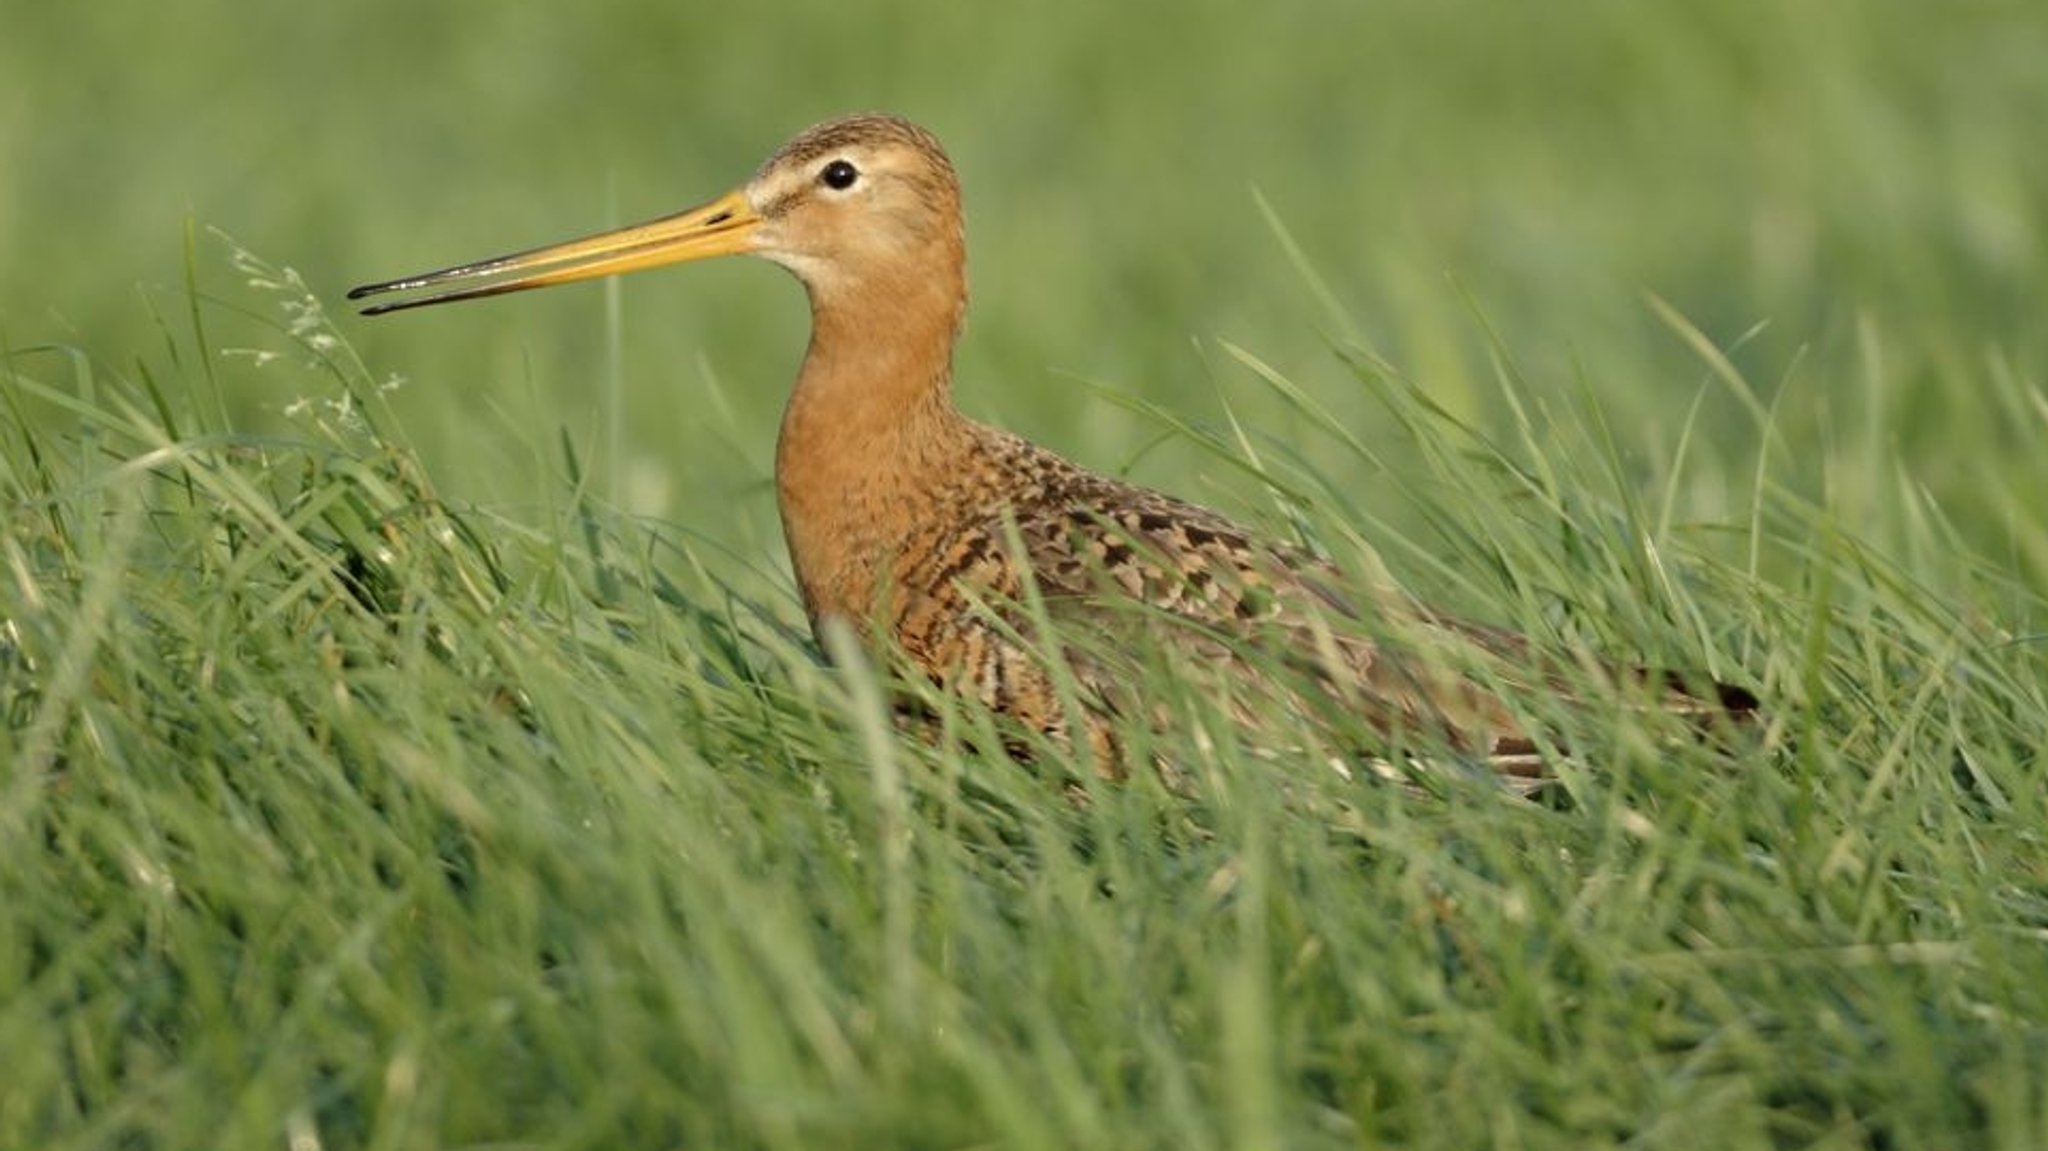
921	527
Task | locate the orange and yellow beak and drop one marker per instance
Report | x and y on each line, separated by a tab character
722	227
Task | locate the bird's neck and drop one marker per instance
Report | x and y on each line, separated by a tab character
869	435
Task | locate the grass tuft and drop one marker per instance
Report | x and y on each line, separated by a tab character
336	810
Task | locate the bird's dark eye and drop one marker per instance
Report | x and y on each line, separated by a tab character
839	175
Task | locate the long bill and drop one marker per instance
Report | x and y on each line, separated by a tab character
722	227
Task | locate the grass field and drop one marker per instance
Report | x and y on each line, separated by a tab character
409	736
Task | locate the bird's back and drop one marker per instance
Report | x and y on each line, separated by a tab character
1123	571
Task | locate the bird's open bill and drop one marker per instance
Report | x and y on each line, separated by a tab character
722	227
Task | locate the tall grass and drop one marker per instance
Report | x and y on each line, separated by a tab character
339	813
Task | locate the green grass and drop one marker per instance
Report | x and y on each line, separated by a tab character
409	737
337	812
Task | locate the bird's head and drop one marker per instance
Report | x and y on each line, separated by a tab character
856	204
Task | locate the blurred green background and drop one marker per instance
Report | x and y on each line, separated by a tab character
1865	180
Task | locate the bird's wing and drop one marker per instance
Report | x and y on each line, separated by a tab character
1136	571
1123	561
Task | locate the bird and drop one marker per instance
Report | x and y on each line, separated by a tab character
947	544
